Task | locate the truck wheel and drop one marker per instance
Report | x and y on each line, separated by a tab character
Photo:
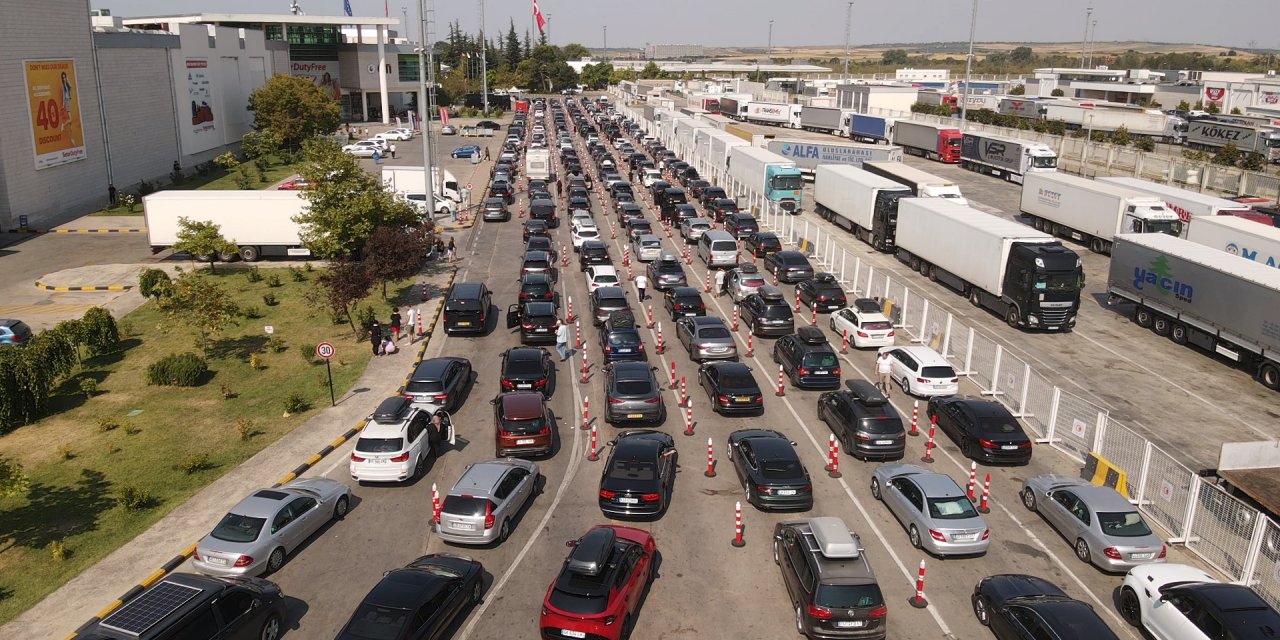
249	254
228	257
974	298
1012	316
1161	326
1143	317
1269	376
1098	245
1178	333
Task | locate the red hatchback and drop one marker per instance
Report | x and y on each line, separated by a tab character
597	594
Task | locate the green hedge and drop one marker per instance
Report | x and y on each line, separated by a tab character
177	370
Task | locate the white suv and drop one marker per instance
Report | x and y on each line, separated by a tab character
864	323
601	276
395	443
584	230
920	371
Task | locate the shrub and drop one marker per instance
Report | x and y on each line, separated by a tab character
132	429
307	266
89	387
177	370
1145	144
58	551
98	331
298	275
295	403
194	463
64	452
243	181
277	344
153	283
244	428
146	188
255	362
270	299
106	424
366	316
227	393
132	498
253	274
273	280
251	312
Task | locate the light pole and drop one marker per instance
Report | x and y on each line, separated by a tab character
605	49
1093	39
484	63
1084	42
968	69
848	28
424	109
770	41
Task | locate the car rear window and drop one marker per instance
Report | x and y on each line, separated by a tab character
737	380
633	387
379	445
848	596
651	244
724	245
466	505
877	325
523	427
819	360
633	470
535	264
237	528
754	281
523	367
625	338
462	304
880	425
954	508
777	311
781	469
424	386
606	278
713	332
938	372
1125	525
373	622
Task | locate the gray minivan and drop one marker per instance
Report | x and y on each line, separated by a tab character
718	249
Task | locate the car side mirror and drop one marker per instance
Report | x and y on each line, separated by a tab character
493	401
571	543
611	443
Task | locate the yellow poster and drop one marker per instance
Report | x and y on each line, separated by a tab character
54	100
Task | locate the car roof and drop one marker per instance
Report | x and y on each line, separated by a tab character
522	404
432	368
629	370
788	256
406	588
773	447
706	321
681	292
771	293
465	290
600	269
926	356
525	353
263	503
535	277
981	407
730	367
536	255
610	292
540	308
480	478
838	552
937	485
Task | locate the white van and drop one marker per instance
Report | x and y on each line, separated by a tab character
718	249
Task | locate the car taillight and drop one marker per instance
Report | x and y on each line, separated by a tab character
758	400
988	444
702	306
195	555
836	371
608	348
540	383
653	400
803	371
641	347
524	295
986	533
922	380
822	298
356	458
879	612
937	535
528	326
722	399
613	400
820	613
549	295
651	497
608	620
1163	551
404	457
440	397
488	516
507	384
1113	553
862	334
607	494
1024	445
890	334
244	561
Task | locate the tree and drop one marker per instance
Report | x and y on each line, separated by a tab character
1018	90
650	71
894	56
260	144
596	76
511	55
1212	107
1022	55
296	109
346	202
201	302
618	75
1250	161
575	51
528	45
546	70
203	240
1121	136
1227	156
13	481
1235	111
1057	93
344	284
392	254
1183	105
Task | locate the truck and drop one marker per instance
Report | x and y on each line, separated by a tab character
921	183
1203	296
734	107
871	129
938	142
1092	212
1189	204
1249	137
259	223
1138	121
1022	107
407	179
859	201
779	114
980	101
1247	472
722	144
1026	276
1240	237
837	122
809	154
767	173
537	164
1008	158
708	103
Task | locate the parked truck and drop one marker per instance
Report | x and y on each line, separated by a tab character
768	173
1239	237
1092	212
407	179
1189	204
862	202
779	114
1246	136
837	122
734	107
922	183
938	142
1008	158
1137	121
871	129
1024	275
1203	296
808	154
259	223
1250	473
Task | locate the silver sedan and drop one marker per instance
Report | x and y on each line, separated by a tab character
481	506
258	533
938	516
1103	527
706	338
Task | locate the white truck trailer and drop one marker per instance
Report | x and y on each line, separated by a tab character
407	179
809	154
837	122
864	203
259	223
1240	237
1008	158
780	114
1092	212
537	164
1187	204
922	183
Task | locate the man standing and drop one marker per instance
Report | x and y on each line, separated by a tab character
413	317
720	278
884	367
392	149
452	249
642	283
375	337
486	152
562	340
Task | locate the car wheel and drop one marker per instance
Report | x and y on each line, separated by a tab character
905	384
476	592
800	622
340	509
270	628
913	534
875	488
1130	610
982	610
1082	550
505	531
275	560
1029	499
966	447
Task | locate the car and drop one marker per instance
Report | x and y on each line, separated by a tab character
582	232
522	419
983	429
605	300
681	212
489	124
420	601
296	183
528	368
466	308
639	474
706	338
692	228
502	189
619	338
721	208
440	383
537	185
448	130
632	393
666	273
538	287
601	276
541	243
579	202
938	516
863	324
363	149
920	371
683	301
486	499
1016	606
495	210
646	247
543	208
864	421
466	151
696	187
628	211
650	176
538	262
788	266
742	281
246	608
741	225
402	133
598	591
534	228
14	332
537	321
808	359
1181	602
829	581
396	442
770	471
711	194
593	253
761	243
637	227
731	389
1100	524
256	535
767	313
823	293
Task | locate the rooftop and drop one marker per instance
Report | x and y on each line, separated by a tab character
272	18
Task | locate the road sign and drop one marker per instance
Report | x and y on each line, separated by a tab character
324	350
269	329
468	186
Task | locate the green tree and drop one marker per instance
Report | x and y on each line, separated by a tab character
13	481
346	202
894	57
203	240
1250	161
201	302
392	254
575	51
339	288
1057	93
1235	111
1145	144
546	70
1121	136
511	55
618	75
1183	105
1213	107
1022	55
260	144
596	76
650	71
295	109
1227	156
1018	90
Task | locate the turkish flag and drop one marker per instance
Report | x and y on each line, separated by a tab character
537	15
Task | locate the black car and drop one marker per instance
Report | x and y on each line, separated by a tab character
538	287
696	187
544	209
419	601
665	273
984	430
740	224
527	368
767	313
711	194
684	301
762	243
656	188
537	321
495	210
769	469
670	197
541	243
489	124
466	308
629	211
721	207
619	188
440	382
593	252
682	212
731	388
637	227
639	474
620	340
830	584
579	202
538	262
502	189
823	292
535	228
605	301
1017	606
863	420
789	266
538	185
172	608
808	359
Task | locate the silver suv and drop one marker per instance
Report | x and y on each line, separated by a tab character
480	507
832	587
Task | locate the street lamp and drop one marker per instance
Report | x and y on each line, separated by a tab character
770	41
605	49
424	109
1084	41
848	27
968	69
1093	39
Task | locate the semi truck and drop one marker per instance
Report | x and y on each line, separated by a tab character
1239	237
768	173
938	142
809	154
862	202
1202	296
722	143
921	183
871	129
259	223
837	122
779	114
1092	212
1246	136
1026	276
1189	204
734	107
1008	158
1137	121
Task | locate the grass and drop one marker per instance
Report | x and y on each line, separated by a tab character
182	440
218	180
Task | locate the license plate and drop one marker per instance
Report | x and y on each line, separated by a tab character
819	373
965	537
215	560
377	460
634	416
464	324
540	330
624	351
1009	447
848	624
884	442
573	634
525	441
786	492
629	500
939	386
1142	556
742	399
465	526
524	386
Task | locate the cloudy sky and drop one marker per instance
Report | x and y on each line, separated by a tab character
809	22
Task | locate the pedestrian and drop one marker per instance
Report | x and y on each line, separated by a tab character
377	157
375	337
111	194
720	279
395	323
642	283
559	189
562	340
413	319
392	149
486	152
884	367
452	249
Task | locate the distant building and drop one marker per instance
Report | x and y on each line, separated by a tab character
660	51
862	97
927	77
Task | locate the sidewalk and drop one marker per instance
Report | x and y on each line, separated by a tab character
63	611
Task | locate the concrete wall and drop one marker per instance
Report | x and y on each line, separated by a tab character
139	105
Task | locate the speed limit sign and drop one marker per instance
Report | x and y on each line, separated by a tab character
324	350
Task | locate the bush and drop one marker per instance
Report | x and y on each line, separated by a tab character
1145	144
273	280
255	362
132	429
244	428
298	275
131	498
270	299
366	316
277	344
64	452
251	312
295	403
146	188
308	267
106	424
253	275
177	370
153	283
89	387
98	331
58	551
194	463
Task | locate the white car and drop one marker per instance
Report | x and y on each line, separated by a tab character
866	326
363	149
1181	602
600	275
647	247
395	444
581	215
583	231
650	176
396	134
920	371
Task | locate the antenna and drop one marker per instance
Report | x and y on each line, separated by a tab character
295	9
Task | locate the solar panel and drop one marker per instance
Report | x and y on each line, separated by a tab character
144	611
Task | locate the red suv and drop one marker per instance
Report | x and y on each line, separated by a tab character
598	591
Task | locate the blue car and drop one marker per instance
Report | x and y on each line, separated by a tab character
466	151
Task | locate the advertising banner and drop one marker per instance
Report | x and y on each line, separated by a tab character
53	100
200	93
324	74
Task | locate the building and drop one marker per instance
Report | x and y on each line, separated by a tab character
863	97
924	77
660	51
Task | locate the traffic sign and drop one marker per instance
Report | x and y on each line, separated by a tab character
468	186
324	350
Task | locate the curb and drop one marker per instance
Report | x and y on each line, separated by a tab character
111	287
126	230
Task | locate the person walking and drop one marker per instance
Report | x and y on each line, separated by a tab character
452	249
392	149
375	337
395	323
559	189
377	157
111	194
562	340
642	283
720	278
413	317
486	152
884	367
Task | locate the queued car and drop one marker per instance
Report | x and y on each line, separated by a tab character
920	371
440	383
767	313
598	591
1016	606
605	300
1101	525
247	609
646	247
808	359
593	253
691	229
534	229
522	422
632	393
639	474
538	287
864	421
665	273
620	339
486	499
770	471
256	535
731	389
466	151
419	601
636	227
526	368
539	262
761	243
823	292
829	582
722	207
396	442
706	338
711	194
544	244
789	266
502	189
938	516
742	281
602	276
864	324
1181	602
448	130
741	225
495	210
684	301
466	308
14	332
983	429
582	232
536	321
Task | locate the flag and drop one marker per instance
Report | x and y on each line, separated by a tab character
346	5
537	14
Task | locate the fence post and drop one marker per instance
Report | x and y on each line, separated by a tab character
871	272
946	337
995	373
968	355
1142	474
1022	398
1100	433
1255	545
1053	417
906	297
843	255
1193	495
857	273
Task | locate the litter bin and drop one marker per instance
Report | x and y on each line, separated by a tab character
475	158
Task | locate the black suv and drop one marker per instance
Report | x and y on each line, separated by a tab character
184	605
863	420
619	338
593	252
538	287
537	321
439	383
721	207
762	243
829	581
502	189
669	198
823	291
544	210
789	266
808	359
767	312
711	194
466	308
684	301
741	225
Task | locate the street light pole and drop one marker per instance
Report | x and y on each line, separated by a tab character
604	50
968	70
848	28
1084	41
484	62
424	110
1093	39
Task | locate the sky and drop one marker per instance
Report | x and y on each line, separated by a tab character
745	23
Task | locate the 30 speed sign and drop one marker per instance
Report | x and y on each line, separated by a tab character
324	350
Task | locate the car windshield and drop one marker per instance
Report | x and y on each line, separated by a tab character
373	622
819	360
713	333
634	387
938	372
1127	524
998	426
524	367
237	528
954	508
781	469
379	445
848	596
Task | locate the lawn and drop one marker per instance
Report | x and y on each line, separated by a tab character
78	468
218	179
